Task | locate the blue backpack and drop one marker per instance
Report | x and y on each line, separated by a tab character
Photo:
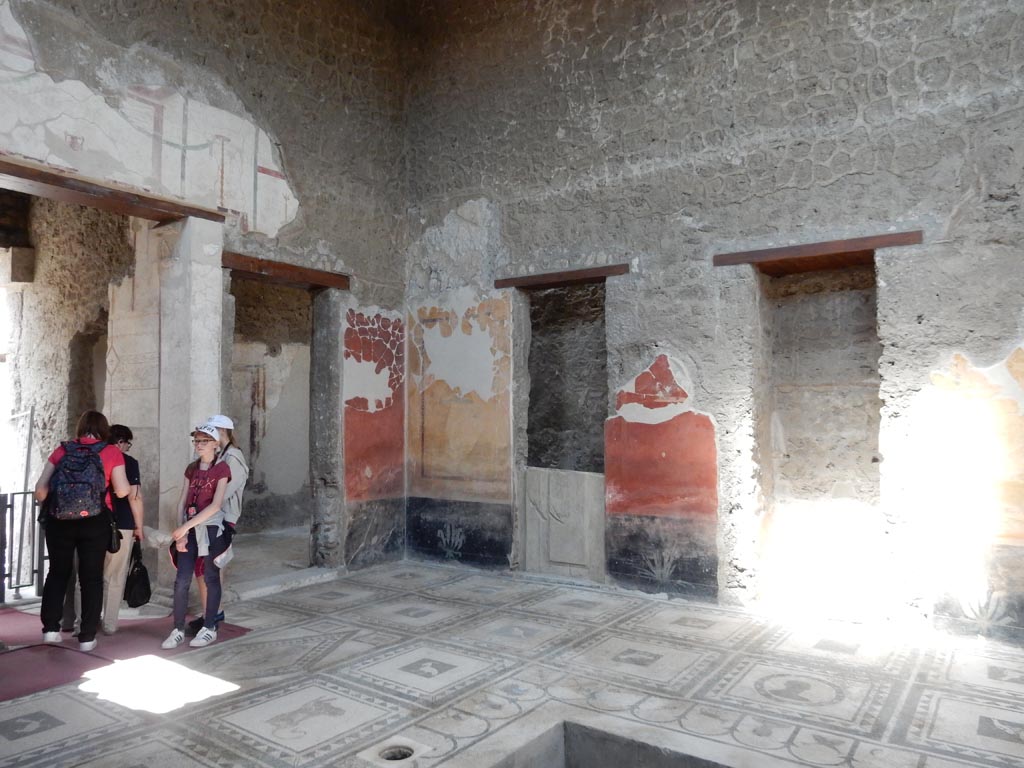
78	487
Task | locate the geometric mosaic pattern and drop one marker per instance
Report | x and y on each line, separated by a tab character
465	661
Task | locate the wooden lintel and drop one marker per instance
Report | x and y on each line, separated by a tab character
562	279
56	184
251	268
831	254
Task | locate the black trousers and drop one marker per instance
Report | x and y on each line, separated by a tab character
64	539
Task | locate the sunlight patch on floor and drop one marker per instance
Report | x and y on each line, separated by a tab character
152	684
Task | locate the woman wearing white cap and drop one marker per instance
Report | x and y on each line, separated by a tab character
231	455
200	535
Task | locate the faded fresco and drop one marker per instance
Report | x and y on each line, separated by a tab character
374	396
459	428
661	485
459	433
972	472
660	455
154	138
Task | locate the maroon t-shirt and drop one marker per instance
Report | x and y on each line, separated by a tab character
202	484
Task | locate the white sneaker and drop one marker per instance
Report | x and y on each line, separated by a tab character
204	638
176	638
88	645
51	637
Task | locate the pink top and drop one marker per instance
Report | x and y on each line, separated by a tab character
110	456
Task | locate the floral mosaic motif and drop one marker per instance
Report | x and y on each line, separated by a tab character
989	612
659	566
451	538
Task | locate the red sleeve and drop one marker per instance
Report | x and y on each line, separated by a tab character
111	457
57	455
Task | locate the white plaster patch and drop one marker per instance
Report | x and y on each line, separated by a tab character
363	380
464	362
155	139
642	414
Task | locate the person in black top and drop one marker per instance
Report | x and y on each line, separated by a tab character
128	512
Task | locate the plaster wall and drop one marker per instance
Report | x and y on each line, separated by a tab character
270	408
286	114
269	400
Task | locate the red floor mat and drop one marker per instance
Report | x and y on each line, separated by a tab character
40	666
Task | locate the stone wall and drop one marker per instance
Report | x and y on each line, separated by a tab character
79	252
660	134
467	140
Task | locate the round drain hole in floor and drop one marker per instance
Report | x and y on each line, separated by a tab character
396	752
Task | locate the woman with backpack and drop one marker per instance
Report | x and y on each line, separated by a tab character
200	535
74	489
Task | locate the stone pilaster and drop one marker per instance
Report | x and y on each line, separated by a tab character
326	447
191	304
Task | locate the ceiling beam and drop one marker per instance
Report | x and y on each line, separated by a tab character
56	184
250	268
831	254
562	279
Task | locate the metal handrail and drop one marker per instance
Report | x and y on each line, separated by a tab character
24	565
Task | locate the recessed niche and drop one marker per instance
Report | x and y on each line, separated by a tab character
821	387
568	378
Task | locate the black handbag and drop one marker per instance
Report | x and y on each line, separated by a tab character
115	536
136	586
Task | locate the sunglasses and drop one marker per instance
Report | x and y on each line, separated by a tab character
126	443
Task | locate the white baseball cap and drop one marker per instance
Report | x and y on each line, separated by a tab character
207	429
220	421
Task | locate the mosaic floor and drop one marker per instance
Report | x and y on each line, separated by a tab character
466	666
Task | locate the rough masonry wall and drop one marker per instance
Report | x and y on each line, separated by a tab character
661	133
825	381
323	79
568	380
79	252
